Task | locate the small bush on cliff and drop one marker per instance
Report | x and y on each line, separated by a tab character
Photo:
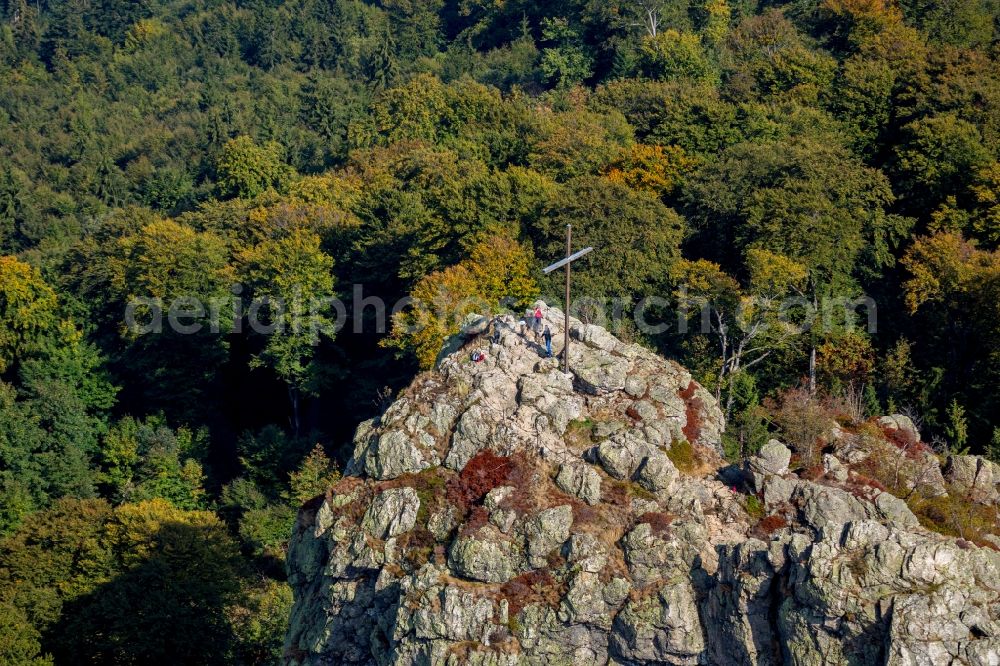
955	514
484	472
534	587
804	422
768	525
683	456
754	507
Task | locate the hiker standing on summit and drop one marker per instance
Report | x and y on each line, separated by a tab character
538	320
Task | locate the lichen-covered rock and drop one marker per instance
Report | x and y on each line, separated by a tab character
825	507
486	557
663	628
657	473
623	453
546	532
599	371
973	475
777	491
895	510
580	480
773	458
393	454
391	513
834	468
503	513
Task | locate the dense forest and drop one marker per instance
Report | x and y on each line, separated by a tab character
712	151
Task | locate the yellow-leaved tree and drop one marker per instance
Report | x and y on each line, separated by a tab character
656	169
27	309
497	273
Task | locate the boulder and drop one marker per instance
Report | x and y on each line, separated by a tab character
486	557
773	458
392	513
657	473
546	532
834	468
392	455
895	510
825	508
623	453
586	552
777	492
580	480
599	372
972	475
661	628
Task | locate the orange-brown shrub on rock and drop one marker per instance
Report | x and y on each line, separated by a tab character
583	513
533	587
813	473
659	522
417	547
869	482
913	449
768	525
484	472
346	486
692	429
478	517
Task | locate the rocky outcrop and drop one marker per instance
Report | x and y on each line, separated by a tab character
974	475
504	513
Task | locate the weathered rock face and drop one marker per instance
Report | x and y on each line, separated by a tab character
504	513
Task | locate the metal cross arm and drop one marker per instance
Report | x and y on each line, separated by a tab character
567	262
563	262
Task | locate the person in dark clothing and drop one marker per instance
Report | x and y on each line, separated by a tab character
548	340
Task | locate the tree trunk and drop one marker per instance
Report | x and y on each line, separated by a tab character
293	397
812	370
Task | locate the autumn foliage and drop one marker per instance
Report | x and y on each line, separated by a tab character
484	472
498	270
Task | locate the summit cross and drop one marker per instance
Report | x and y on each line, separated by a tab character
567	262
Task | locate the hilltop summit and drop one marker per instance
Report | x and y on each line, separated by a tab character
502	512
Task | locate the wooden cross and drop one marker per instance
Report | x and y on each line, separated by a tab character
570	258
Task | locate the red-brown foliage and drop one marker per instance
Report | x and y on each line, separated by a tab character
813	473
659	522
478	517
913	450
482	474
869	482
534	587
633	414
523	477
417	547
347	486
768	525
584	514
695	405
615	493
